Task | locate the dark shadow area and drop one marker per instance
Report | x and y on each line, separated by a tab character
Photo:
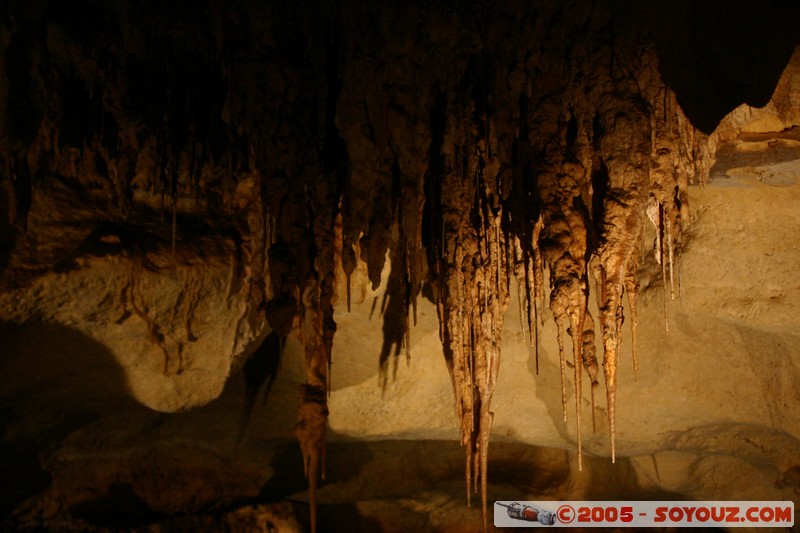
54	380
145	234
7	231
270	517
394	310
119	507
539	470
373	477
260	370
111	239
344	461
717	55
337	518
618	481
59	366
20	468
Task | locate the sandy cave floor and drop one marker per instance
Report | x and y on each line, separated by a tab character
714	415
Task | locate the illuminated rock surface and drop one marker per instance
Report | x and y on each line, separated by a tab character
380	208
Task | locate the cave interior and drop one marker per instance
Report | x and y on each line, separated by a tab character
336	265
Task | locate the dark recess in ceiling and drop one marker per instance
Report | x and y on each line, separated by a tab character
717	55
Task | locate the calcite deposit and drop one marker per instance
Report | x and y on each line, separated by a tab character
209	172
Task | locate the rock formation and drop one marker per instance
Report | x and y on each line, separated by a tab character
181	182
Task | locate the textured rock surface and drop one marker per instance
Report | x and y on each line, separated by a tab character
189	194
174	325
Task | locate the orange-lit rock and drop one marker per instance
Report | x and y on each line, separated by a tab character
201	205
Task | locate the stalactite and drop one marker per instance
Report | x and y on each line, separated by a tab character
517	260
625	150
348	256
561	332
590	360
578	327
257	224
313	408
535	289
672	145
670	255
489	159
632	289
564	246
474	286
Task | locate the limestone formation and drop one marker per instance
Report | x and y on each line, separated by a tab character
482	145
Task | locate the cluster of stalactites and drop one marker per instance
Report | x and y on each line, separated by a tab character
579	232
293	249
477	260
565	233
513	180
625	152
609	166
679	157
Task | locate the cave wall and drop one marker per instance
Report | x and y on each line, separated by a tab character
185	186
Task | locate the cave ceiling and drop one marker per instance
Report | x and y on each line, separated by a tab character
489	144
